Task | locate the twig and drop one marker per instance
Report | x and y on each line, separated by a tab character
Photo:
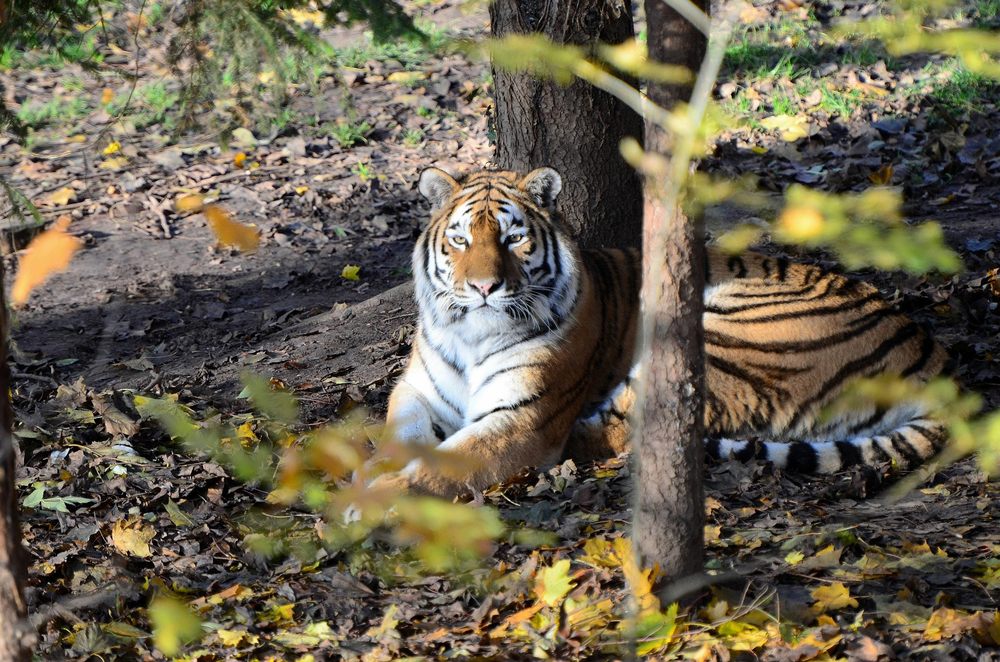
69	207
231	175
157	208
37	378
93	175
396	317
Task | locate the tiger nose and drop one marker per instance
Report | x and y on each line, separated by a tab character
486	286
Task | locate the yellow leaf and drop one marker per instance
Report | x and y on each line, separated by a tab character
107	96
871	90
792	127
639	581
230	232
132	537
246	434
350	272
239	159
301	190
740	636
232	638
599	553
832	597
78	138
114	163
794	557
48	253
553	583
305	16
406	76
113	147
800	223
188	203
882	176
61	197
283	613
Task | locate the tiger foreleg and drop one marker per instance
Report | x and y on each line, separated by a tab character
483	454
410	419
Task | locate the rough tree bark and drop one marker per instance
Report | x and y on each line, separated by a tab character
669	502
575	129
16	636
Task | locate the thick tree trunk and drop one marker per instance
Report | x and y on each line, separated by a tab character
669	506
16	636
575	129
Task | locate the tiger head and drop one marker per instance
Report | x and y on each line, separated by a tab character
495	245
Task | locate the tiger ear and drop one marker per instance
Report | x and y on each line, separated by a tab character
437	186
543	184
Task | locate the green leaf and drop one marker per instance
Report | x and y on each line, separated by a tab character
176	515
553	583
35	498
654	630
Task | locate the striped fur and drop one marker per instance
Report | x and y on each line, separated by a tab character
525	343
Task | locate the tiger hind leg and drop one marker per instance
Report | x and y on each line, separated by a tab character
606	431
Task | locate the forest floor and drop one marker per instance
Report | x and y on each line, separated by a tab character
152	306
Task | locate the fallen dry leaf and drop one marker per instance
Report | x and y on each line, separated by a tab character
832	597
131	537
791	127
61	197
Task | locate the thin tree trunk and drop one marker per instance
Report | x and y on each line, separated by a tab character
16	636
575	128
669	505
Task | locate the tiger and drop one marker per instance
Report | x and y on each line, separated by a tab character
524	348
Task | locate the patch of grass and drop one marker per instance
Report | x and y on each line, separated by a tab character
348	134
75	51
59	110
282	120
863	54
150	104
10	58
773	50
155	14
840	103
426	113
364	171
411	53
413	137
987	12
963	90
73	84
782	104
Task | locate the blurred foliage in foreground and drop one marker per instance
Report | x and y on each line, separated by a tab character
395	535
